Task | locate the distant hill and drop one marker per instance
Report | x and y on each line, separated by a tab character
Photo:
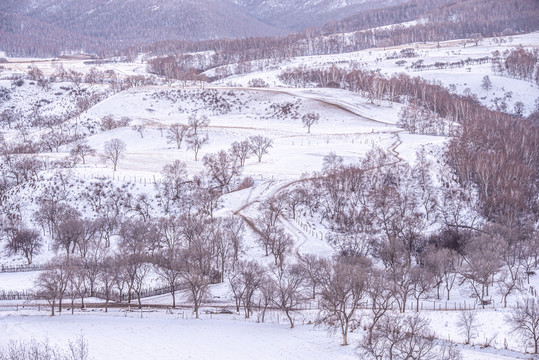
93	24
299	14
41	27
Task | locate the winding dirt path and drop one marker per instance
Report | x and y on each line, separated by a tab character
287	223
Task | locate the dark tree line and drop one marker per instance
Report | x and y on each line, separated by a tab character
494	18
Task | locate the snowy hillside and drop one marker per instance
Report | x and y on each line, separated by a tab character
461	78
271	208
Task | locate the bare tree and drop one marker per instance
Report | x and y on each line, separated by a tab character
52	283
195	123
288	295
482	263
309	120
222	169
233	227
137	239
443	264
140	129
525	320
169	266
241	151
175	181
77	283
380	291
343	287
511	276
206	200
143	270
113	151
467	324
176	133
259	145
81	150
23	241
423	281
169	233
267	223
313	267
69	232
196	285
236	285
486	84
476	38
331	163
196	142
402	337
268	291
281	243
247	278
107	276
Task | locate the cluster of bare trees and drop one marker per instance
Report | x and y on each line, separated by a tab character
494	152
407	337
23	241
187	253
387	211
112	150
446	21
255	53
77	349
376	87
519	63
57	130
506	174
58	198
418	120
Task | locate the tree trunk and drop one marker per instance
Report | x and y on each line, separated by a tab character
345	334
263	315
289	319
371	328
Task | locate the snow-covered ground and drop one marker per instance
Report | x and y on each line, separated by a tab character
462	80
154	333
349	125
175	336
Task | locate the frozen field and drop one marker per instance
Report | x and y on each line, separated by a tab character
349	126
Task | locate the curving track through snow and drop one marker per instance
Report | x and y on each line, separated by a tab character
273	189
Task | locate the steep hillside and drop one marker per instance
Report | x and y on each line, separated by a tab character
95	24
299	14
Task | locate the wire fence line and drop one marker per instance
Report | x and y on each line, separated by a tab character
23	268
131	298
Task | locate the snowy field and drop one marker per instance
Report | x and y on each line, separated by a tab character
349	125
154	334
462	80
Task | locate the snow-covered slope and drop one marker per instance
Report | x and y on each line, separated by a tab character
462	79
298	14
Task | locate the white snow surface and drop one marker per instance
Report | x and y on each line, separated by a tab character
349	126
